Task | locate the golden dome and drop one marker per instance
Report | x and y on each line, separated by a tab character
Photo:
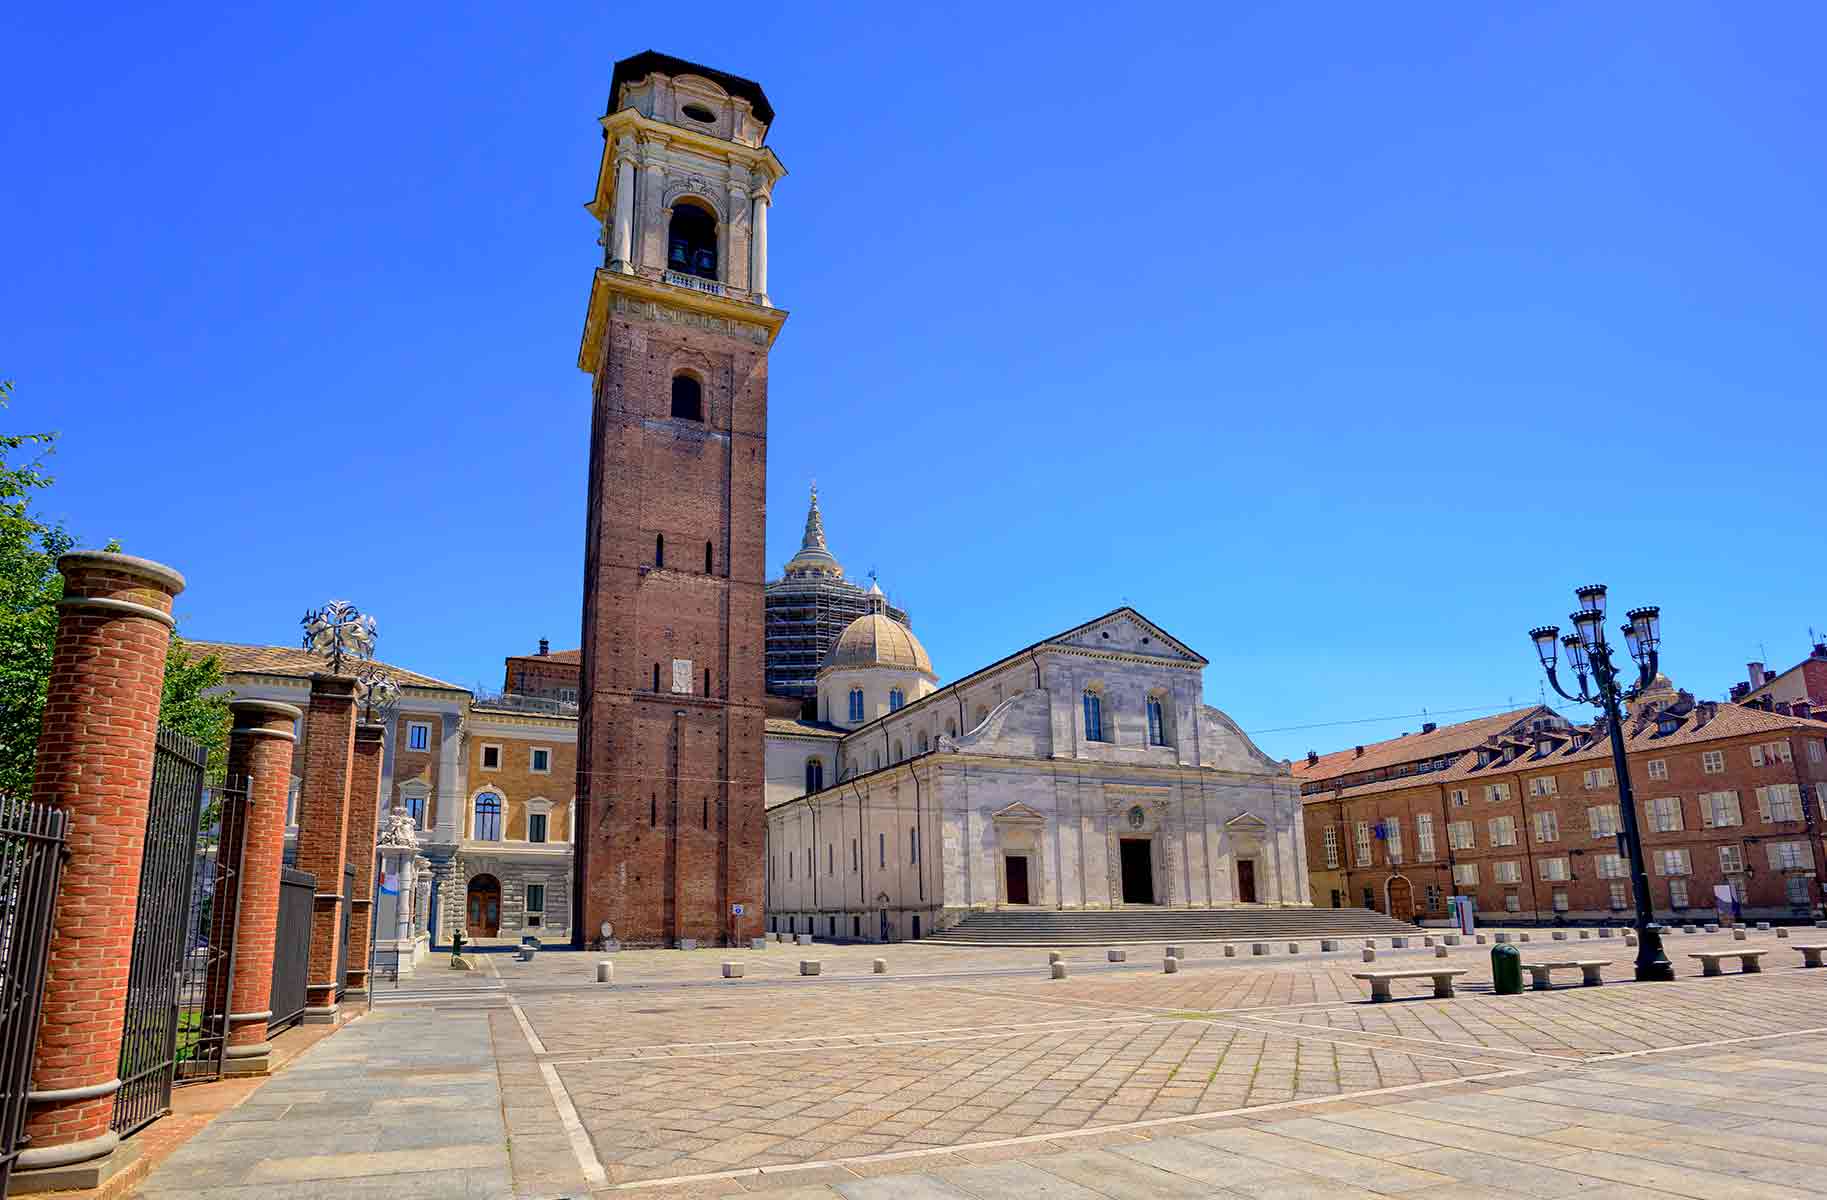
877	640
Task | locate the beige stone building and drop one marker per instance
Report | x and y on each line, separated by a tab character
1084	771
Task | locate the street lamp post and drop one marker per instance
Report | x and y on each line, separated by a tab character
1588	653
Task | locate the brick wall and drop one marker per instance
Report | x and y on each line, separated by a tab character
670	785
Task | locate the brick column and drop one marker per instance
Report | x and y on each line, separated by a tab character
95	758
260	749
323	824
364	810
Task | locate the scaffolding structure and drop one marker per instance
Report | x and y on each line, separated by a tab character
805	616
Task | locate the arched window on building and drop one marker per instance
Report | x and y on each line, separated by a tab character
899	753
951	727
875	757
1157	723
656	677
856	704
692	241
815	775
707	558
687	398
1094	716
486	826
982	715
896	698
925	744
659	549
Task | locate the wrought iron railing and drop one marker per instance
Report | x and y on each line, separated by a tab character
522	703
31	862
696	283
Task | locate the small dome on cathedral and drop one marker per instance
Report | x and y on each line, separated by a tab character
877	640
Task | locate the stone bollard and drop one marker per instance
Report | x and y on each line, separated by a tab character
1057	970
1427	942
1559	935
1503	939
1398	943
1522	937
1175	952
758	943
1230	951
1738	935
881	966
1259	947
1116	956
1606	932
1712	928
1328	944
1585	934
1439	951
1170	966
1054	956
1630	939
1451	939
1293	947
810	966
688	943
1782	933
802	939
1370	955
605	972
1764	925
732	970
1478	938
1370	943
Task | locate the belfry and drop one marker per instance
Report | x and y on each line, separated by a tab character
676	338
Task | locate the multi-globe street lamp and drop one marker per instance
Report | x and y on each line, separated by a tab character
1589	654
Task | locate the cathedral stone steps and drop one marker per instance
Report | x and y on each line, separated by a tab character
1147	924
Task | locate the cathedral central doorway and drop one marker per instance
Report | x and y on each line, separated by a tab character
1246	881
484	906
1015	867
1138	871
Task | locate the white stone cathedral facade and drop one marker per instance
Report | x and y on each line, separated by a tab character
1083	772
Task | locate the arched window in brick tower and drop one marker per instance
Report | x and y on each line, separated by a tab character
707	558
687	398
656	677
691	243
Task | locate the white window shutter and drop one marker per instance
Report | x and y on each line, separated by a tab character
1757	756
1661	863
1763	804
1733	810
1776	858
1706	810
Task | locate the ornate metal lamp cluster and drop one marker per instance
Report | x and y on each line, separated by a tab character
343	635
1589	654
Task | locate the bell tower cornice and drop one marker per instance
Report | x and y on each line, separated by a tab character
611	290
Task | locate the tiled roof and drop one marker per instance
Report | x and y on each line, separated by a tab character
568	657
1731	721
802	728
1413	747
293	660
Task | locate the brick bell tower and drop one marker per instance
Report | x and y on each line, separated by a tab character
669	790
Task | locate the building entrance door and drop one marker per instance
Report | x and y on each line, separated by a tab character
1246	880
1401	899
1015	867
484	906
1138	871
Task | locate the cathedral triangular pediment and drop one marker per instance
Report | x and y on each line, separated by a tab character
1247	823
1017	812
1127	631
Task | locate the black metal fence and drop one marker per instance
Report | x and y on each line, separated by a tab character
168	871
31	862
291	948
342	945
206	978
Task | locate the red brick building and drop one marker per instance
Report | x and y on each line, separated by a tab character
676	339
1521	812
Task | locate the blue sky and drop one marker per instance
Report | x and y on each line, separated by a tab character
1341	340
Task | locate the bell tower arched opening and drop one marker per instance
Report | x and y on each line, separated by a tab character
691	241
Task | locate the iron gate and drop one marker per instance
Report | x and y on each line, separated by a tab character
31	861
182	966
291	948
342	936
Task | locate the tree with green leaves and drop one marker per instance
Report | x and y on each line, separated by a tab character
30	588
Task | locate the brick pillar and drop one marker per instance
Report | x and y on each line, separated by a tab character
323	825
364	810
260	749
95	758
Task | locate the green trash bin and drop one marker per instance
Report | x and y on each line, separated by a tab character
1506	970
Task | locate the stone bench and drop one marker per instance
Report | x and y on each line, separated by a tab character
1379	980
1116	956
732	970
1811	954
1747	960
1589	969
810	966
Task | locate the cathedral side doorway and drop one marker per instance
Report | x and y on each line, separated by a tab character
1138	870
1246	880
1015	867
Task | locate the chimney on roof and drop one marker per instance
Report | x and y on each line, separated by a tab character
1706	710
1360	752
1429	727
545	647
1740	691
1803	709
1820	650
1757	674
1313	758
1782	708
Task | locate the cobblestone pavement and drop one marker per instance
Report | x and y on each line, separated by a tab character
970	1073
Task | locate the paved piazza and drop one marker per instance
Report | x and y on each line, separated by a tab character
967	1072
